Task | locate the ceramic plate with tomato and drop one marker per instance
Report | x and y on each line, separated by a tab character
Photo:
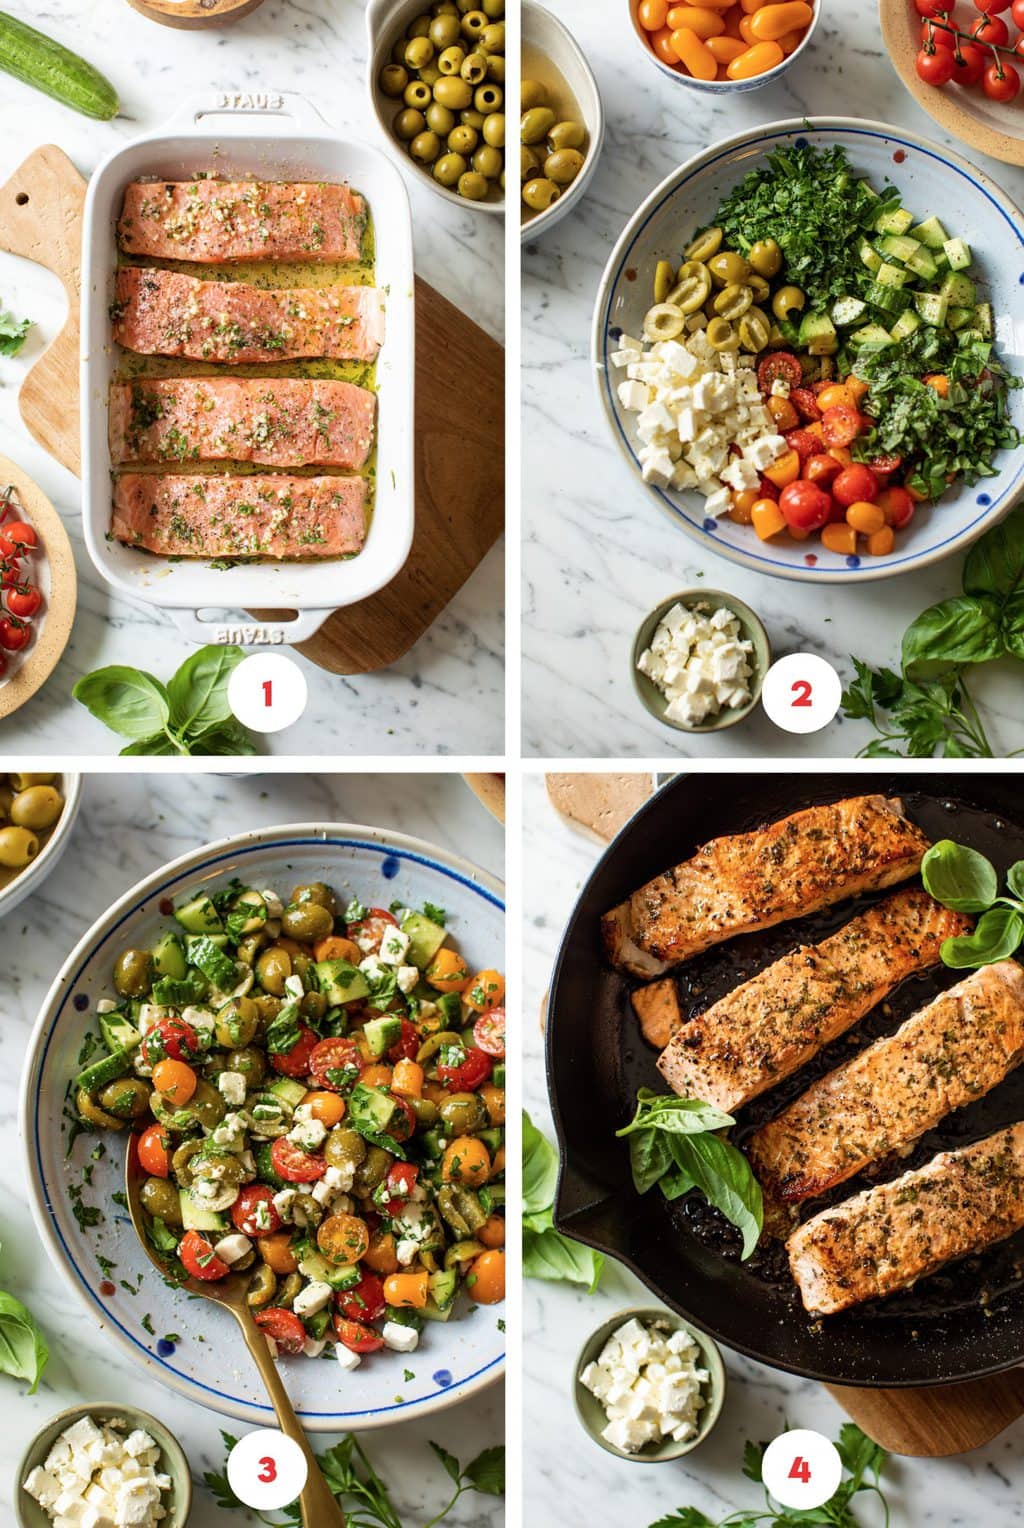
193	1347
928	177
39	588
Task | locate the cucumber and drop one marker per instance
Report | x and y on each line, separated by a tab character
959	318
425	938
195	1218
338	1275
906	325
958	290
958	254
892	300
818	334
982	319
923	265
291	1092
895	246
266	1170
930	233
443	1286
498	1075
871	258
199	916
118	1034
891	275
169	957
434	1312
108	1069
897	220
872	335
848	310
382	1033
933	307
340	981
38	60
212	962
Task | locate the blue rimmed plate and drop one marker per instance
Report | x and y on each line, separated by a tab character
932	180
192	1346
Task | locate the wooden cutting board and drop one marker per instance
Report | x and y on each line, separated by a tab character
460	427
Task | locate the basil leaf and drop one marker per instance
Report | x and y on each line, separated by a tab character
23	1350
683	1116
160	745
958	877
944	637
284	1031
724	1177
126	700
198	692
547	1254
996	937
487	1472
676	1182
1015	878
650	1157
540	1169
995	563
228	737
1013	625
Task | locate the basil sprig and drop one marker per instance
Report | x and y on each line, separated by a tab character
547	1254
965	881
188	715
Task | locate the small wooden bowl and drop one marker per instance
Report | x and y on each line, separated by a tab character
194	13
30	672
991	127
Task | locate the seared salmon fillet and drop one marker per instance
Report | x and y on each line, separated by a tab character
889	1237
954	1050
771	1025
160	312
275	422
218	221
218	516
751	881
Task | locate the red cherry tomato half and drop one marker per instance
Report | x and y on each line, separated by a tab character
171	1038
841	424
803	443
970	65
200	1260
369	931
403	1121
254	1212
1000	82
822	469
805	506
805	403
934	66
356	1336
766	489
154	1156
365	1302
401	1181
14	634
884	464
405	1048
24	602
21	535
469	1074
285	1328
779	367
854	483
295	1063
489	1033
293	1164
897	506
991	30
335	1065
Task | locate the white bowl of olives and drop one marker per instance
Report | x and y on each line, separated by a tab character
561	125
37	814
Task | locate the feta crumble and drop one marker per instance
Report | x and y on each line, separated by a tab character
102	1475
699	660
648	1379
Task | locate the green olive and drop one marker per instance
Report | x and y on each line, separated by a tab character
453	93
307	920
237	1023
448	169
305	1208
536	124
451	60
393	79
419	53
463	140
181	1162
494	129
314	1005
473	186
759	286
462	1253
463	1113
272	969
567	135
496	68
493	8
291	1287
474	68
754	329
787	301
461	1208
664	280
127	1097
425	1110
488	98
220	1167
249	1062
563	166
444	8
472	118
733	301
22	781
267	1010
372	1170
419	27
6	801
766	257
488	161
418	95
133	973
90	1111
492	38
474	24
37	808
439	119
161	1200
344	1146
529	162
665	321
433	1043
692	288
532	93
727	267
408	123
444	30
721	335
206	1105
705	245
17	847
262	1288
250	947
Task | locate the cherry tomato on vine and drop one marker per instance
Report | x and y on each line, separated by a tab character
970	66
11	572
992	30
14	634
992	7
24	602
936	36
1000	82
1017	12
932	7
935	68
20	534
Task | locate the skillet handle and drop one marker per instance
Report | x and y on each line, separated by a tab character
274	629
237	108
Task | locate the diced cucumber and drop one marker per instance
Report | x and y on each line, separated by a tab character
450	1004
931	233
871	258
199	916
958	254
169	957
338	1275
443	1286
983	319
922	264
371	1109
891	275
498	1075
848	310
265	1167
959	318
933	307
195	1218
340	981
493	1138
892	300
958	290
107	1069
870	335
896	220
896	246
425	938
818	334
430	1144
382	1033
906	324
291	1092
866	185
118	1034
790	332
434	1312
497	1193
220	940
212	961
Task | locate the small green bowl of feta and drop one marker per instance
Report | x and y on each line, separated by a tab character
124	1452
649	1387
699	660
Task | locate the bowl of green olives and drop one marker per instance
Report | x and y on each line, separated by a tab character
561	127
37	814
437	88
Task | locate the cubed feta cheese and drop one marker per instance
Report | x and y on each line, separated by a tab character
394	946
402	1339
311	1299
231	1086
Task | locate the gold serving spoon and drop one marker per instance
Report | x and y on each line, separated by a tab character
317	1502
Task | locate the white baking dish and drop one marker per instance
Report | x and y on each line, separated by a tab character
270	137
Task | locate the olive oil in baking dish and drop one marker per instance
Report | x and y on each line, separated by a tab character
545	86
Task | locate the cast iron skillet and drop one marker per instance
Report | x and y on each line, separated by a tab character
962	1323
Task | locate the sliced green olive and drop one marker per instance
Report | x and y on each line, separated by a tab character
733	301
721	335
128	1097
727	266
664	280
692	288
90	1111
705	245
754	329
759	286
262	1288
664	321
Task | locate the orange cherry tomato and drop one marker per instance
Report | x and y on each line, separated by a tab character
866	518
328	1108
791	42
784	471
407	1078
784	414
897	506
176	1081
467	1161
822	469
377	1076
840	537
692	52
485	1281
154	1156
725	49
841	455
756	60
494	1102
334	947
492	1232
276	1252
407	1291
696	18
448	971
767	518
746	33
343	1238
382	1253
939	383
770	22
661	42
651	14
486	990
834	395
856	388
881	543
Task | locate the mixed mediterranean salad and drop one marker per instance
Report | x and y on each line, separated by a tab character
317	1098
821	362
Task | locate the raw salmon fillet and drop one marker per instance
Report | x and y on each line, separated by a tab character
889	1237
751	881
274	421
218	221
955	1050
160	312
219	516
770	1026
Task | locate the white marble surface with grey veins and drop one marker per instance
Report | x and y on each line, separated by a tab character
569	1480
598	553
446	695
130	825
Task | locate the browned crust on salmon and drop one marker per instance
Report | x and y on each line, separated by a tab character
219	221
277	516
954	1050
888	1237
158	312
770	1026
272	421
749	881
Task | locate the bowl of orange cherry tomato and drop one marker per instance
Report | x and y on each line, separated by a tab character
724	45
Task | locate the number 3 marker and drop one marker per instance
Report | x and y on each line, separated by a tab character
801	1469
266	1470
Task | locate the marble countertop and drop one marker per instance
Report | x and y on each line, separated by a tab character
128	826
447	694
569	1480
597	553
